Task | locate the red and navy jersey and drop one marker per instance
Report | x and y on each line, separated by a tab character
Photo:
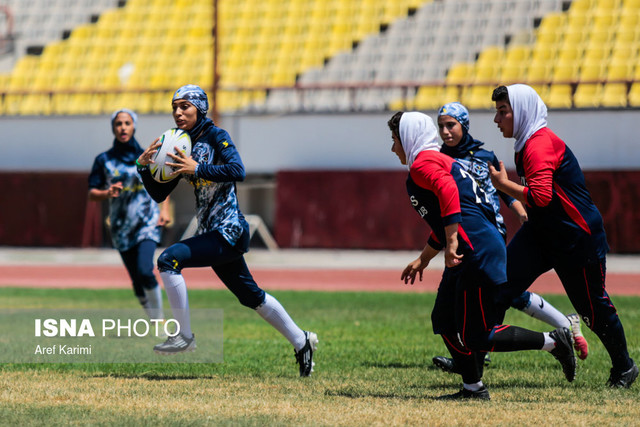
558	203
443	193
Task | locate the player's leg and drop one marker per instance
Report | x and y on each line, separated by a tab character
585	286
238	279
470	366
153	293
198	251
463	361
537	307
526	261
130	260
480	332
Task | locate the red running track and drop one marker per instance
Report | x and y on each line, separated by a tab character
112	276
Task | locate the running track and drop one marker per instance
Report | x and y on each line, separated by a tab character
355	280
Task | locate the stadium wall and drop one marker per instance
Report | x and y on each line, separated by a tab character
318	180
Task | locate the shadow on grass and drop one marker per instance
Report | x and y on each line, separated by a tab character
396	365
152	376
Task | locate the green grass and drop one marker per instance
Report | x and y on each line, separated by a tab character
373	367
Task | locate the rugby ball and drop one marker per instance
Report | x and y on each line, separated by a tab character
170	140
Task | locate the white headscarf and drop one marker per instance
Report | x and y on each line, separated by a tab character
417	134
529	113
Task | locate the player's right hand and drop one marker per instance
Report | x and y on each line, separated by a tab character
147	155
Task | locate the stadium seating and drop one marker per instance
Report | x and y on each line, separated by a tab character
127	55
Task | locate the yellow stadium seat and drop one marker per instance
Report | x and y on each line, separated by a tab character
629	5
451	93
588	95
512	73
619	70
35	105
559	96
582	5
614	95
12	104
460	74
479	97
570	53
593	72
429	98
634	95
565	72
539	73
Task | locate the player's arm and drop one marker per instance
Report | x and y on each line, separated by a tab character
98	195
451	256
501	181
434	176
165	217
158	191
518	208
230	167
98	189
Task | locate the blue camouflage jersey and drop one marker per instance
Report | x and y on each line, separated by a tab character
214	184
475	160
133	214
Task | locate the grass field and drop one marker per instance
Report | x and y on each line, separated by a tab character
373	367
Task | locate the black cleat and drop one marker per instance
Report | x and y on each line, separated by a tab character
446	364
482	394
564	352
304	357
623	379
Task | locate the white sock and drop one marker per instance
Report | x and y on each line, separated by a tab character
274	313
153	307
473	387
176	290
549	343
540	309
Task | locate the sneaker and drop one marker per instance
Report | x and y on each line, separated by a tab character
176	344
623	379
446	364
304	357
487	359
579	343
482	394
564	352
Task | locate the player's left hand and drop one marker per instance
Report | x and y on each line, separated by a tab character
452	258
181	163
415	268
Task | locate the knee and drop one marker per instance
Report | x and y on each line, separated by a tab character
252	300
168	262
521	302
477	342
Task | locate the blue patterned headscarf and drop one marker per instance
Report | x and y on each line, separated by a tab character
195	95
457	111
468	144
133	115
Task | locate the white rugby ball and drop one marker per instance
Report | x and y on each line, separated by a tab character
170	140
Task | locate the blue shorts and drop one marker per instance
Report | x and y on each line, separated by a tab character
212	250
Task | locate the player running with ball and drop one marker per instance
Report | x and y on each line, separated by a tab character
223	233
463	224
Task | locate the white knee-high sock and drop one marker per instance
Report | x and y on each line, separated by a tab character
176	290
540	309
274	313
153	307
